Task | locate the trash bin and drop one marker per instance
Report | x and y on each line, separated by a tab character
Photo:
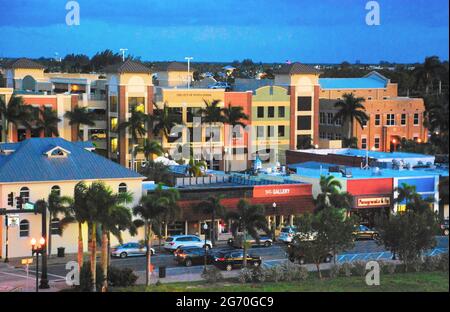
61	251
162	271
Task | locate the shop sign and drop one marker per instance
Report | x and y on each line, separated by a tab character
372	202
280	190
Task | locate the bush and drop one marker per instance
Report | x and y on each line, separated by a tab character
359	268
258	275
274	274
245	275
212	275
301	273
345	269
388	267
431	264
443	262
400	268
333	272
86	281
121	277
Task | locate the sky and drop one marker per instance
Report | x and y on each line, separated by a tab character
320	31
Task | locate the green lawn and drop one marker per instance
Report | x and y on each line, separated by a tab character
419	282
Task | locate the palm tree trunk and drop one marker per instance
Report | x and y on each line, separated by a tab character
109	250
318	269
5	127
350	130
105	259
147	253
49	239
94	255
213	233
80	246
211	156
244	262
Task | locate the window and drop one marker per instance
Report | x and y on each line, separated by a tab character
270	131
303	122
260	131
122	188
56	189
390	120
363	143
177	114
403	120
114	145
377	119
322	135
322	118
113	107
304	141
281	111
113	124
377	143
281	131
369	98
55	227
338	122
136	103
330	136
191	113
24	228
260	112
330	118
304	103
338	136
416	119
271	112
25	194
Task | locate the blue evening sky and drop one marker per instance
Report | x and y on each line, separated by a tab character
322	31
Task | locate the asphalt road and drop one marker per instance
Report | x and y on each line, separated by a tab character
270	256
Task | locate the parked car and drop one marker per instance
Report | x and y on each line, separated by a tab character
183	249
98	136
296	251
287	233
444	227
220	85
177	241
364	232
234	259
264	240
193	256
130	250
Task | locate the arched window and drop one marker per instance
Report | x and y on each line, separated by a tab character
122	188
25	194
55	227
24	228
56	189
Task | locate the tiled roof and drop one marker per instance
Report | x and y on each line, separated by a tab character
24	63
296	68
29	163
128	66
173	66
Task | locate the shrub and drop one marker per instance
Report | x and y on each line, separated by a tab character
258	275
121	277
333	272
415	266
443	262
274	274
86	282
245	275
346	269
430	264
301	273
388	267
288	269
212	275
359	268
400	268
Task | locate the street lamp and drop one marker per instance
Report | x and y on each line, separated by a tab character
189	58
274	205
37	248
205	228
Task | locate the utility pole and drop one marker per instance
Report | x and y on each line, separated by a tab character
189	58
123	50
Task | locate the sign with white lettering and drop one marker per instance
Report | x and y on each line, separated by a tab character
13	220
281	190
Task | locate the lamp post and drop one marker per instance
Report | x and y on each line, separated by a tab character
6	238
37	248
274	205
205	228
189	58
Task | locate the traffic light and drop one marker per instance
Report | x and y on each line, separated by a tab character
11	199
19	202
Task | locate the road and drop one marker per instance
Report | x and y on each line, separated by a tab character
270	256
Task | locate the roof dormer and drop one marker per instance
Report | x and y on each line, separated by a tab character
57	152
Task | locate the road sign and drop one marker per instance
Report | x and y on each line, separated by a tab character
13	220
27	261
29	206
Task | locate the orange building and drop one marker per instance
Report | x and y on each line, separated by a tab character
391	118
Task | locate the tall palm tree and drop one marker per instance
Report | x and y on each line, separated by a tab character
212	206
80	116
406	193
196	167
150	208
212	114
329	186
349	110
249	219
48	122
428	71
152	148
16	113
58	205
234	116
163	121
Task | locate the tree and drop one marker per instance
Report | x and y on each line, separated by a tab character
350	109
14	113
196	167
80	116
158	172
331	196
212	206
152	148
105	58
150	208
437	122
248	219
234	116
163	121
48	122
428	71
212	114
58	205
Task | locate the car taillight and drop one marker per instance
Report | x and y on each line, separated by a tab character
220	259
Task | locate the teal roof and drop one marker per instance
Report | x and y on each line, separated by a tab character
29	163
373	80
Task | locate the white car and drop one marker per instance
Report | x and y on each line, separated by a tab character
130	250
287	234
174	242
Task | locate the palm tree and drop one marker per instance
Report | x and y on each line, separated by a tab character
212	114
428	71
48	123
151	207
58	205
163	121
234	116
248	219
196	167
329	186
136	127
212	206
350	109
80	116
14	113
152	148
406	193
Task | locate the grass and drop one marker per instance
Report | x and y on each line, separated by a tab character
402	282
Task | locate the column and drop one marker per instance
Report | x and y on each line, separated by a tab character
165	230
281	221
291	220
185	227
269	222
